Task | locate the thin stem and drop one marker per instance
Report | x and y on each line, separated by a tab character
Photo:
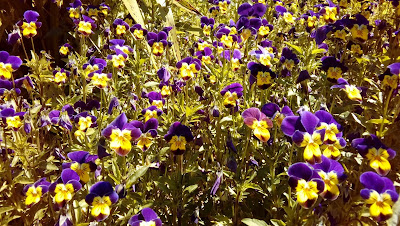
23	47
385	112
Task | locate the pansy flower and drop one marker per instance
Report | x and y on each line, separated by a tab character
82	163
84	121
75	9
158	42
380	194
120	26
219	46
329	12
88	106
307	184
7	90
93	11
334	68
353	92
274	112
376	152
156	99
34	192
30	25
262	75
289	60
119	44
304	133
355	48
118	58
188	67
138	31
12	119
311	19
63	117
146	216
99	79
149	132
359	27
247	10
101	196
8	64
207	24
205	56
264	29
86	25
65	187
223	5
287	16
264	54
248	27
233	56
60	76
390	78
257	121
104	9
121	133
226	38
13	37
65	49
231	94
151	112
178	136
201	45
94	64
332	173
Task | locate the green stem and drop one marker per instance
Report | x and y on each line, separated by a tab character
385	112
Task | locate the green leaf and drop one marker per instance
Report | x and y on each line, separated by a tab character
378	121
6	209
316	51
277	222
191	188
23	180
297	48
253	222
136	175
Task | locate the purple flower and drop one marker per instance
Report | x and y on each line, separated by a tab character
231	94
12	119
155	98
65	187
30	25
306	182
65	49
234	56
149	132
34	192
248	10
289	59
216	183
119	44
207	24
120	26
146	216
261	74
60	76
94	64
333	68
82	163
62	118
138	31
158	42
163	74
188	67
151	112
13	37
101	197
257	121
8	64
178	135
380	194
118	59
86	25
75	9
228	39
113	104
273	111
205	56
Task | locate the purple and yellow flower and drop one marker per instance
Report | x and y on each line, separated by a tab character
93	11
353	92
188	67
304	133
155	99
287	16
229	40
289	60
376	152
34	192
65	187
60	76
207	24
151	112
8	64
94	64
120	26
307	184
138	31
231	94
149	132
65	49
178	136
84	121
12	119
265	28
380	194
233	56
158	42
119	44
118	59
101	196
62	118
359	27
262	75
82	163
7	90
86	26
146	216
205	56
329	13
332	173
391	77
259	122
264	55
121	133
334	68
99	79
274	112
13	37
30	25
104	9
75	9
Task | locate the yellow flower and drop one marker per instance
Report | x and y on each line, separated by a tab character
230	99
246	33
82	170
187	71
223	6
64	50
138	34
359	31
63	193
13	122
178	142
29	29
33	195
331	184
60	77
312	152
334	73
288	17
353	93
166	91
378	160
306	192
158	103
202	45
158	48
74	13
227	40
150	114
121	29
101	205
121	141
5	70
381	204
118	61
341	34
263	31
100	80
85	27
263	79
85	123
144	141
207	30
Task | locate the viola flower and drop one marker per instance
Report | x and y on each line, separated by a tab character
118	59
155	98
8	64
93	11
329	13
287	16
311	18
289	59
248	10
207	24
13	37
304	133
35	191
86	25
12	119
223	5
163	74
7	90
332	173
62	118
333	68
390	78
274	112
178	135
307	184
380	194
65	49
121	133
226	38
75	9
264	55
120	26
119	44
94	64
84	121
264	29
149	132
82	163
219	46
65	187
205	56
146	216
151	112
157	42
201	45
262	75
355	48
104	9
188	67
30	25
100	79
353	92
234	57
60	76
101	196
231	94
376	152
138	31
88	106
248	27
257	121
359	27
